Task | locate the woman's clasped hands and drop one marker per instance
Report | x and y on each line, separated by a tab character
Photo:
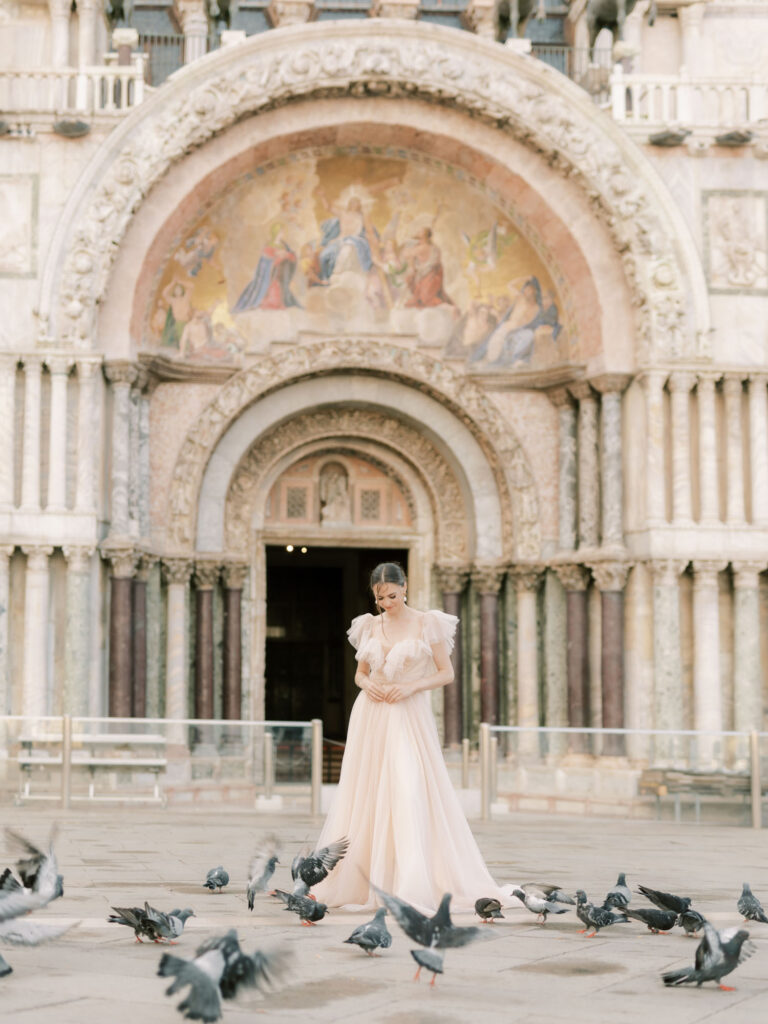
379	690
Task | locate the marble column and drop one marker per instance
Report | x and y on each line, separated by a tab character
575	579
567	494
121	376
611	579
680	384
555	661
611	387
691	16
234	575
8	365
177	572
77	646
487	581
36	596
194	24
655	508
758	447
747	674
451	581
58	367
206	577
86	32
123	561
6	550
88	424
707	689
60	13
527	582
733	389
30	468
708	486
667	658
588	465
480	17
144	566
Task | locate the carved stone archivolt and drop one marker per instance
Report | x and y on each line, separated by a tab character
471	405
523	97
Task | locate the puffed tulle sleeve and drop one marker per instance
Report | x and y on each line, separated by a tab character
360	629
439	627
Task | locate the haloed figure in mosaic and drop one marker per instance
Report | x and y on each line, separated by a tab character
395	801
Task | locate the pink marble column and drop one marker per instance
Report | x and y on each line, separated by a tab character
611	579
234	576
123	560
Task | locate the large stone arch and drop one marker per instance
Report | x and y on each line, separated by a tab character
516	94
493	463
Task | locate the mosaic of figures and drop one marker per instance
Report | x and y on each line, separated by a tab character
359	243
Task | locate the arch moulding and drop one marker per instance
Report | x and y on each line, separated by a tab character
515	93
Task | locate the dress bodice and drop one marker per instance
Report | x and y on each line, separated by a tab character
407	659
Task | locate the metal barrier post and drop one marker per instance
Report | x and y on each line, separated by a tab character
485	750
317	766
269	765
465	763
493	765
66	758
756	789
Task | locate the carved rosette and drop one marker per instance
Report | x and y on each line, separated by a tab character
207	574
177	569
610	576
573	575
487	578
546	112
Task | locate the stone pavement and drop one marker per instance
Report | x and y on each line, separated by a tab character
97	974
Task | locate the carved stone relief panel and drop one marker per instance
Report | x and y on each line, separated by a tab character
736	232
18	225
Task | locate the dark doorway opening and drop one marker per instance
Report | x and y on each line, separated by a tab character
312	596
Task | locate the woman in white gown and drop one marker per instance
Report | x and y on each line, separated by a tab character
395	802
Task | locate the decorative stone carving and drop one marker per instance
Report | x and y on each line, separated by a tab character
122	558
144	565
526	577
705	571
487	579
78	557
667	571
177	569
610	576
395	9
121	372
746	575
572	576
207	574
235	574
451	579
549	114
37	556
290	12
480	17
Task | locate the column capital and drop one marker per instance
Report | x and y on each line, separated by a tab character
235	574
87	368
758	378
572	575
561	397
144	564
526	577
9	361
290	12
610	576
451	579
6	550
733	383
37	556
207	573
31	361
394	9
667	571
487	578
122	557
480	17
58	365
611	383
78	557
124	35
120	371
177	568
746	575
653	379
582	391
681	380
705	571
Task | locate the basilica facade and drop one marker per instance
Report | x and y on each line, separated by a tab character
361	288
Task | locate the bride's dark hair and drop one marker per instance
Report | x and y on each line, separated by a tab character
388	572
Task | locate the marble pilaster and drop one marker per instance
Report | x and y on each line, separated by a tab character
451	581
88	429
567	495
747	675
36	596
77	675
707	689
206	577
30	468
667	657
691	16
588	465
575	580
733	389
192	17
680	384
121	376
8	365
60	13
611	579
58	367
86	33
234	576
177	572
6	550
123	561
653	383
708	487
555	660
527	581
139	619
611	387
487	580
758	446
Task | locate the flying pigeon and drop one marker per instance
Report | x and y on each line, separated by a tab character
430	959
372	935
218	970
749	906
216	879
538	905
666	900
619	896
307	907
309	870
718	953
655	919
262	866
9	882
437	932
551	893
691	921
41	881
488	909
595	917
5	967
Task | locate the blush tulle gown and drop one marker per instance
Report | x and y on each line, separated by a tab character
395	800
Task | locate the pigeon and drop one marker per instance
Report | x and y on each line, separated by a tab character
551	893
655	919
168	926
307	907
136	918
216	879
262	866
9	882
595	917
718	953
372	935
619	896
750	906
436	932
488	909
218	970
41	881
5	967
309	870
691	921
430	959
666	900
538	905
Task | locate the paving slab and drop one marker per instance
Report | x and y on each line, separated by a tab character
115	856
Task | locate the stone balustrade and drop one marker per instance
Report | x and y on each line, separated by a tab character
107	90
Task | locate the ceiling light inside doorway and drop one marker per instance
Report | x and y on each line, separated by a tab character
289	547
303	551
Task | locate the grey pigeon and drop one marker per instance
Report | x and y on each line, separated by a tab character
656	920
718	953
9	882
216	879
538	904
136	918
436	932
5	967
372	935
430	959
595	917
488	909
666	900
551	893
262	866
307	907
311	869
619	896
749	906
219	969
691	921
168	926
